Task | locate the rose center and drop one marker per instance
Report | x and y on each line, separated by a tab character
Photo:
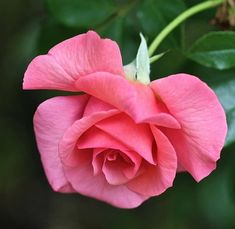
112	156
117	167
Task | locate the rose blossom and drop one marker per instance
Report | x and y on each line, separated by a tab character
122	141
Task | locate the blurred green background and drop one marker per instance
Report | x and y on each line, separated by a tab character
30	28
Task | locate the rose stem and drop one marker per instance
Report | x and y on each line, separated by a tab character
178	20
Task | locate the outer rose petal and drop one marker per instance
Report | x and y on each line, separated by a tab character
95	105
133	98
156	179
84	182
49	126
72	59
202	119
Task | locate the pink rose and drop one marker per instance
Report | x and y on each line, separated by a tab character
121	142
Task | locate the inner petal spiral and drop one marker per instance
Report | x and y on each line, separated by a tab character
118	167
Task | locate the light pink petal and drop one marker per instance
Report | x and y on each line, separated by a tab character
133	98
84	182
68	145
51	120
72	59
95	105
202	119
156	179
136	137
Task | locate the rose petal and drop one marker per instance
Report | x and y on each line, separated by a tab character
202	119
72	59
95	105
97	160
96	138
84	182
49	126
68	144
156	179
134	98
136	137
132	165
113	170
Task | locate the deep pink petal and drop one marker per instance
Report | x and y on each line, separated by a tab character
136	137
202	119
72	59
96	138
136	99
156	179
84	182
68	145
51	120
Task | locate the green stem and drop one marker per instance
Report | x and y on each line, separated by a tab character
178	20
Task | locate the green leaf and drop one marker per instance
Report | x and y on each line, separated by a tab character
216	50
231	127
226	94
77	13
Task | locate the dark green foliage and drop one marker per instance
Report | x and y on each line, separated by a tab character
215	49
